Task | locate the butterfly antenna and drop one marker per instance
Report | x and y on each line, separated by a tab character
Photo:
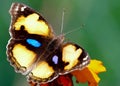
73	30
62	22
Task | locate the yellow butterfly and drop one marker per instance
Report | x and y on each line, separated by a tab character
35	51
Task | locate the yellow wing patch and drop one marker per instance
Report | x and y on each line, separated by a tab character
42	70
32	25
71	55
24	57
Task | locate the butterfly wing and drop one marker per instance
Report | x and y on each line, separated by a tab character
76	57
67	58
34	49
30	34
26	21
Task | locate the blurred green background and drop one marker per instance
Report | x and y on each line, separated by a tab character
100	36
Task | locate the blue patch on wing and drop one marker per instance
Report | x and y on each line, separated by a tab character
55	59
34	42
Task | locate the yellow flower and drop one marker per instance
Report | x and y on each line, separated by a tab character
89	74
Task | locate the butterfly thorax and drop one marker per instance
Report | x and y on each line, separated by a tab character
55	43
53	50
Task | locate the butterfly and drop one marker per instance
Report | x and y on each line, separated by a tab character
35	51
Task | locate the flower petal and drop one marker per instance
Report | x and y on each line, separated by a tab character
96	66
89	74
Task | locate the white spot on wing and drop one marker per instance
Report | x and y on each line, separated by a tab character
84	63
85	58
23	8
17	8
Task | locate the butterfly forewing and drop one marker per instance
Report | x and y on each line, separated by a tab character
26	21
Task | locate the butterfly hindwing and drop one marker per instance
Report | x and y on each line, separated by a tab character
67	58
75	56
50	64
18	55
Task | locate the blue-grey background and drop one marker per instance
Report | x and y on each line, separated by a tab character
100	36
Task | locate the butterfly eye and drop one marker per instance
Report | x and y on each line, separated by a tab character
34	42
55	59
